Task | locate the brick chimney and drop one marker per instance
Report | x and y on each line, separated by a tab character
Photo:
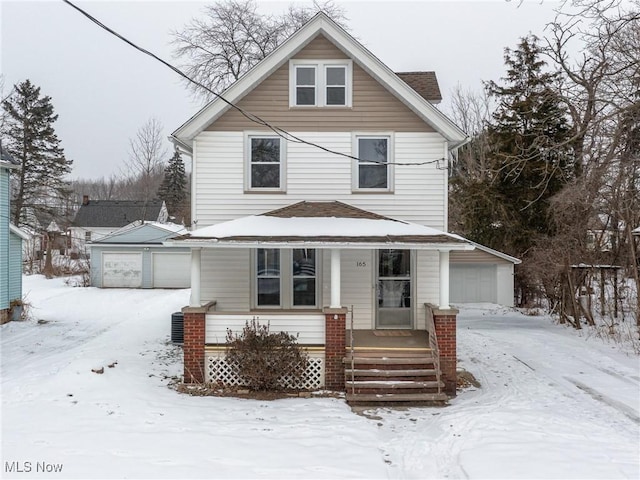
85	199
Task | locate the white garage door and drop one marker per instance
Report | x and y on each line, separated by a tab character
473	283
171	270
122	270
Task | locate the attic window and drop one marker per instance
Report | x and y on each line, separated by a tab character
315	83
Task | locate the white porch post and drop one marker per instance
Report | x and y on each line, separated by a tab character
194	301
335	278
444	280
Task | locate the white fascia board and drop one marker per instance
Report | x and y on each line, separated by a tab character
207	243
345	42
491	251
214	109
16	231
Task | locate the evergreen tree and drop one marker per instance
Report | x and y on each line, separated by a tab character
29	136
173	189
529	138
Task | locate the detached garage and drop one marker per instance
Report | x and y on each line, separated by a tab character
134	257
481	275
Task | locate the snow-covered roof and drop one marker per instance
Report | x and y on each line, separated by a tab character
322	224
143	232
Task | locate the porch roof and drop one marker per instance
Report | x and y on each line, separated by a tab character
321	225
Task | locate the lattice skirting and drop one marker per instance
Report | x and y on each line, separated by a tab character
219	371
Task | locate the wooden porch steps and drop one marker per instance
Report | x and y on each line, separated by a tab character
374	376
421	398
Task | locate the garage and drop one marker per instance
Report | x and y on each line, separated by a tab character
171	270
135	257
121	269
473	283
482	275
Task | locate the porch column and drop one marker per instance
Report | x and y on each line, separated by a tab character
335	279
194	300
193	346
444	279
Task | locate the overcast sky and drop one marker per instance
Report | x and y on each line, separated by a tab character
103	90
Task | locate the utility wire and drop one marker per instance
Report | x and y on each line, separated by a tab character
250	116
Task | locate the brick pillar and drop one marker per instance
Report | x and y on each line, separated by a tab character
334	348
193	347
445	323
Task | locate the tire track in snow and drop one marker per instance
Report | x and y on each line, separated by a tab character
601	397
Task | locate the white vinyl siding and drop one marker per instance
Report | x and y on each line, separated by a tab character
226	278
312	174
427	286
309	327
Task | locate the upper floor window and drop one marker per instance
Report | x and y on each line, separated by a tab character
87	236
305	85
372	170
316	83
265	163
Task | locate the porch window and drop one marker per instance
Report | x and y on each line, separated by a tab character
304	277
265	163
286	278
268	281
372	170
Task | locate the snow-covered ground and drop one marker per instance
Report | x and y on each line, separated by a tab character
551	405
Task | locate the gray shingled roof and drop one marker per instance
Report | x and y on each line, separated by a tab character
425	83
116	213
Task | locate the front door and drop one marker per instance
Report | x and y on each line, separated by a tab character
393	287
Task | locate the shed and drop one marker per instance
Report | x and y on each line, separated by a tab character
134	257
482	275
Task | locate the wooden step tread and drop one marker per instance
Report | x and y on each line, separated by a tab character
421	360
374	372
385	352
391	385
397	397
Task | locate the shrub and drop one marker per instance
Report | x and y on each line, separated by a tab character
263	358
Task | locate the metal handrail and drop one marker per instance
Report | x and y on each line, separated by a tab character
353	362
433	342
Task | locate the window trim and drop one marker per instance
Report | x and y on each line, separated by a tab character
248	164
286	281
296	86
321	81
355	164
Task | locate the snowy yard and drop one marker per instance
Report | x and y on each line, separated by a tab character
552	404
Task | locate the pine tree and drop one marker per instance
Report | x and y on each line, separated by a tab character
529	137
173	189
29	136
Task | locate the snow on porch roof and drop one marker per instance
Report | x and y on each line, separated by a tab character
322	224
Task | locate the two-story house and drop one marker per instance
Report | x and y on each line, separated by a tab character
320	196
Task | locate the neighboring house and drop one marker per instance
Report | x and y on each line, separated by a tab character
134	257
313	241
97	218
10	247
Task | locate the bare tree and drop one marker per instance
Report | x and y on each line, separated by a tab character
232	36
601	89
147	154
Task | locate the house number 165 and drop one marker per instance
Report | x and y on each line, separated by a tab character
361	264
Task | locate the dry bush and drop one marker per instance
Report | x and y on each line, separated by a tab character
264	358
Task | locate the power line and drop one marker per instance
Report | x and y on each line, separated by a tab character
250	116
